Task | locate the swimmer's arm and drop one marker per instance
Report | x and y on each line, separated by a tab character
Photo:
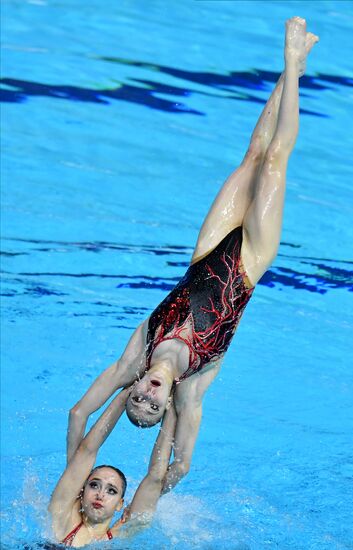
143	505
188	398
121	373
62	502
187	429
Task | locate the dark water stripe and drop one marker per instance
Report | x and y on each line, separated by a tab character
41	290
299	259
12	254
327	278
95	275
124	92
322	278
158	250
254	79
150	286
302	259
335	272
333	278
99	246
292	245
131	310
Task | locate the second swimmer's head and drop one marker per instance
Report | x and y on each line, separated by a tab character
103	493
148	400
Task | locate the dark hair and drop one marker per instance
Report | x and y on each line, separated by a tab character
122	476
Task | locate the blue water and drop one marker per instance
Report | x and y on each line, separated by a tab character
120	122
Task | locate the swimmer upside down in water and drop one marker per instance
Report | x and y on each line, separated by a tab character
182	344
84	501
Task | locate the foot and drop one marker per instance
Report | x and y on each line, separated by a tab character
310	40
295	41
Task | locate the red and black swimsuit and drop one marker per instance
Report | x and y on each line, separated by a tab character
205	307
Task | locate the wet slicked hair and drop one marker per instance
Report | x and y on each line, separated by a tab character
142	423
119	472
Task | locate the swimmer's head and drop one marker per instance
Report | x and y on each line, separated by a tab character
149	399
103	493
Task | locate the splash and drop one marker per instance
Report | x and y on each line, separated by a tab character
26	517
176	511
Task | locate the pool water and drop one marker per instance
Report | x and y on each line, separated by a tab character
120	122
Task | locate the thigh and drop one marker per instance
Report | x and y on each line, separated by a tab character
263	220
229	207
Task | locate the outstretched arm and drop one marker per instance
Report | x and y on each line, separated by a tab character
188	399
71	482
146	497
187	429
120	374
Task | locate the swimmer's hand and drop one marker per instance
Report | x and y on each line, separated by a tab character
78	420
176	471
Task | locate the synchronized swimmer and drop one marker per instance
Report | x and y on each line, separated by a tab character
175	354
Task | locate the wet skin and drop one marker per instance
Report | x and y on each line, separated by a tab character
149	396
102	495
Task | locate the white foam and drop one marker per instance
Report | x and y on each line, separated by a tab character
185	518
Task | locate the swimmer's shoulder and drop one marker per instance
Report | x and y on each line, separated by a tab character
193	388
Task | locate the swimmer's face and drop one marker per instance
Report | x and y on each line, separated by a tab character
149	398
102	495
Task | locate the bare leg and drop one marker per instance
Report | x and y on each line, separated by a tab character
263	220
236	194
233	200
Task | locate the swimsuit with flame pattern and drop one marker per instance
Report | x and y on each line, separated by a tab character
205	307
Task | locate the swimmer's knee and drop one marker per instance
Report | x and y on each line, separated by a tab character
277	154
255	152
